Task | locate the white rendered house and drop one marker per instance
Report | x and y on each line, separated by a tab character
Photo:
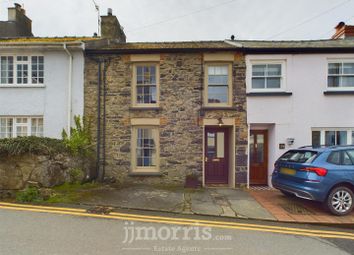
41	85
41	79
299	93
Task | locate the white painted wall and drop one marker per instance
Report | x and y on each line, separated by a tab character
49	101
295	115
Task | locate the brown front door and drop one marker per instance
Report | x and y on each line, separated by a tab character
216	156
259	157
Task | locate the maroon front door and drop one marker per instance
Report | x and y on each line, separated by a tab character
216	156
259	157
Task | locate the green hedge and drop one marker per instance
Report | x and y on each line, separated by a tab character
32	145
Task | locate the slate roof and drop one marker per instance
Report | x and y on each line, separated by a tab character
44	40
171	45
247	46
255	44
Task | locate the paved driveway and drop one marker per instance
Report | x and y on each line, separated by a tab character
295	209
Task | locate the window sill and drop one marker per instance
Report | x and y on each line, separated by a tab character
215	108
146	108
339	92
22	86
145	174
260	94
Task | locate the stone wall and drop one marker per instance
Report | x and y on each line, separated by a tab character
48	171
180	113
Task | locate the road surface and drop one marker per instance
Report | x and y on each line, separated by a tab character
36	230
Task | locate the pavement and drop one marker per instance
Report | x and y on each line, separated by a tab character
28	229
267	204
212	201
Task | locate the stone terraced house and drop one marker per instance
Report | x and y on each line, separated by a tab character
164	112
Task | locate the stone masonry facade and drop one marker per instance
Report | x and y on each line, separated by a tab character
180	112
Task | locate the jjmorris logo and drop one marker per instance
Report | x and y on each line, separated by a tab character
142	233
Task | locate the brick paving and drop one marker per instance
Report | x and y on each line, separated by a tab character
297	210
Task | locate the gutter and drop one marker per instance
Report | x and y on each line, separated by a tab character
70	74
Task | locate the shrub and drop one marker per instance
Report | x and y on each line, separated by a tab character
79	142
30	194
32	145
76	175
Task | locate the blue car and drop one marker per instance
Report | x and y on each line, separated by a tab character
324	174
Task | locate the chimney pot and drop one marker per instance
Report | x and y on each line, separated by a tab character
109	12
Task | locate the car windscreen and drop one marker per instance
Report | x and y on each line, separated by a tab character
298	156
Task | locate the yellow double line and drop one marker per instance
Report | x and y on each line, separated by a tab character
181	221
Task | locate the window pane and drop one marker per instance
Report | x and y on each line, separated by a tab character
220	145
146	94
348	68
346	159
347	81
37	127
274	70
273	83
21	131
218	70
334	158
333	81
341	138
6	67
211	145
146	84
351	154
316	138
260	148
37	69
258	70
299	156
330	138
218	94
334	68
146	147
258	83
6	127
218	80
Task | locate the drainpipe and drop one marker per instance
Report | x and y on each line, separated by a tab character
248	154
69	88
98	148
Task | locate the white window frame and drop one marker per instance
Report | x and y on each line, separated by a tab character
29	63
253	62
323	134
206	84
28	124
148	123
338	61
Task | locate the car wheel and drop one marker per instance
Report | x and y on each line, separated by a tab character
288	194
340	201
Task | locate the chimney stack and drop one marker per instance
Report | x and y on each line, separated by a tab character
110	27
18	24
343	31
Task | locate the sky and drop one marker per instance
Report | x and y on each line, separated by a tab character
188	20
